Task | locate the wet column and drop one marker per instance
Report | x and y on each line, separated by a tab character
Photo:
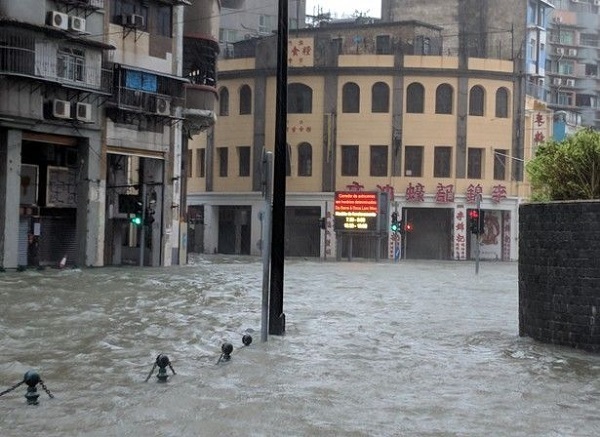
10	195
91	199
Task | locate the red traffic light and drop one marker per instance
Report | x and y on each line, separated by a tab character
408	227
473	214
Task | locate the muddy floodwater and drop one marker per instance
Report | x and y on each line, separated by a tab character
371	349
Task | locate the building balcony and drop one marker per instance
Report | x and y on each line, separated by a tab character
31	55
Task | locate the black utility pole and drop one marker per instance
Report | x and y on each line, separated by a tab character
276	315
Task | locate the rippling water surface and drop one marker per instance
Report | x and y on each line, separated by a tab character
371	349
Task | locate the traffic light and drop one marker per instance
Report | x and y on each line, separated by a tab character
408	227
149	217
136	219
323	223
476	221
395	227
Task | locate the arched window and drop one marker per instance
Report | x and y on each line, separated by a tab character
224	102
245	100
415	98
502	103
299	99
304	159
476	101
351	98
380	97
444	96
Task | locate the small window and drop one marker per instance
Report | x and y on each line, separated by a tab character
222	153
304	159
201	163
245	100
474	163
223	102
415	98
299	99
444	96
502	103
500	164
442	162
244	161
413	161
476	101
382	45
380	99
188	163
351	98
379	161
349	160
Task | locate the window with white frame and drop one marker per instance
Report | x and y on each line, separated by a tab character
70	64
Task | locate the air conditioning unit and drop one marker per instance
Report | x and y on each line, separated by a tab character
61	109
570	82
134	20
83	112
541	81
572	52
163	106
556	81
58	20
560	50
77	24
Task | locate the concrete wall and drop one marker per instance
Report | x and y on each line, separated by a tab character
559	273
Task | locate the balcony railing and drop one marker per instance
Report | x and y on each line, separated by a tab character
21	55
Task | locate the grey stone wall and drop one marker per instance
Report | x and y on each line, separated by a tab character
559	273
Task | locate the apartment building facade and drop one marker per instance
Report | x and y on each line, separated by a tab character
94	107
375	108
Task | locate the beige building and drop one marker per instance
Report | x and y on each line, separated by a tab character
373	108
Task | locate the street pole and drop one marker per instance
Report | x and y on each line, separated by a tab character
276	315
142	226
267	164
477	234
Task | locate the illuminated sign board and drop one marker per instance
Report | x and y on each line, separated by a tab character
355	211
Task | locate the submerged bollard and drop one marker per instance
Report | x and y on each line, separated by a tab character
162	362
226	350
32	378
247	340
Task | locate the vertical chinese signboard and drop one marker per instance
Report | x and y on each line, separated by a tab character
356	211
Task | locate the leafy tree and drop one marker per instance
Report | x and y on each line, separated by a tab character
567	170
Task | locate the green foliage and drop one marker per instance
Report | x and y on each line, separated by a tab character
567	170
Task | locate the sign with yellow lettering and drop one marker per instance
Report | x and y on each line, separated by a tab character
355	211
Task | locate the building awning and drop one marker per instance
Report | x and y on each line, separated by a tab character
155	72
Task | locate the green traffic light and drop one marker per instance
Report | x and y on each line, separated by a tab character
136	220
394	227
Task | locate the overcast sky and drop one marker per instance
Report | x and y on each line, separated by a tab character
345	7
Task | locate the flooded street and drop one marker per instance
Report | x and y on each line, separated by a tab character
371	349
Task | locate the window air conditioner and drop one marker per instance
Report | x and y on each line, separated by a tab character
163	106
83	112
572	52
570	82
556	81
58	20
560	50
134	20
61	109
77	24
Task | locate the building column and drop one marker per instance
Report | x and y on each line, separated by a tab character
91	200
10	184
